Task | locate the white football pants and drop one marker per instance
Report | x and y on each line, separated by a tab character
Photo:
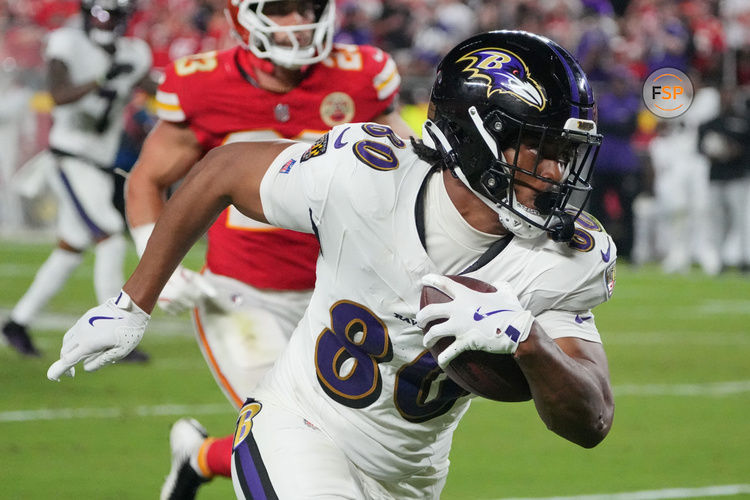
243	330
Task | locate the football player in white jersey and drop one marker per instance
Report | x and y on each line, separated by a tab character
284	79
356	406
92	73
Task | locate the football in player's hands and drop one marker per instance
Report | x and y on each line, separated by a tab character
486	374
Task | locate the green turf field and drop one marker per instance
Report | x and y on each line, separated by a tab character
679	351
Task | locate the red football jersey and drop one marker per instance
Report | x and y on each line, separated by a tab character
216	96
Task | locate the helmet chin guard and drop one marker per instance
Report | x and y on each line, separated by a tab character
517	225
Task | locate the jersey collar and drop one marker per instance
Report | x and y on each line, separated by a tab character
492	252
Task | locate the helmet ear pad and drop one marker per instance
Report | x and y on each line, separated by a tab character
494	184
471	155
484	172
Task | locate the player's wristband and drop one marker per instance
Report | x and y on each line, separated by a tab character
140	235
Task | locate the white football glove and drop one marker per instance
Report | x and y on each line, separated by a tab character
103	335
184	290
493	322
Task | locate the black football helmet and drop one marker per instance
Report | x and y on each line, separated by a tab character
106	20
500	89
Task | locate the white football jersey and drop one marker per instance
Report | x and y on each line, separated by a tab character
75	125
355	366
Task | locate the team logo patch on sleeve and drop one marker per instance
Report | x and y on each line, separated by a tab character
318	148
610	277
286	167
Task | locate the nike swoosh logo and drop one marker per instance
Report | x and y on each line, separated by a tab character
96	318
479	316
580	319
605	255
338	143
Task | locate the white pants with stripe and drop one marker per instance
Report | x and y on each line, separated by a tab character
278	453
243	330
85	212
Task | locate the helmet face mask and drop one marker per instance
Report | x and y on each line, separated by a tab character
105	20
574	152
255	26
507	92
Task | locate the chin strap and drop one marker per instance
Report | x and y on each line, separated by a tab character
564	229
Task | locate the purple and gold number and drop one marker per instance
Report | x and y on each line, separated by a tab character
413	395
347	356
375	154
376	130
348	353
582	240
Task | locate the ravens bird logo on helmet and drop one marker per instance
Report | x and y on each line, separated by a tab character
505	72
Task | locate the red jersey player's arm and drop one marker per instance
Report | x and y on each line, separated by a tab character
148	84
227	175
393	119
168	153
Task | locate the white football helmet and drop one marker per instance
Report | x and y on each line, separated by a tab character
255	29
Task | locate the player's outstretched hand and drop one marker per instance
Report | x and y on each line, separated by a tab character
103	335
183	291
493	322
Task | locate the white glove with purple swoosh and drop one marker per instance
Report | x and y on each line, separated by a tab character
105	334
494	322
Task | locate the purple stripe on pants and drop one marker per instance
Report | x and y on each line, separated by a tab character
96	231
255	482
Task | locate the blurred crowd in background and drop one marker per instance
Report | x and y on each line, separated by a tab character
671	191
